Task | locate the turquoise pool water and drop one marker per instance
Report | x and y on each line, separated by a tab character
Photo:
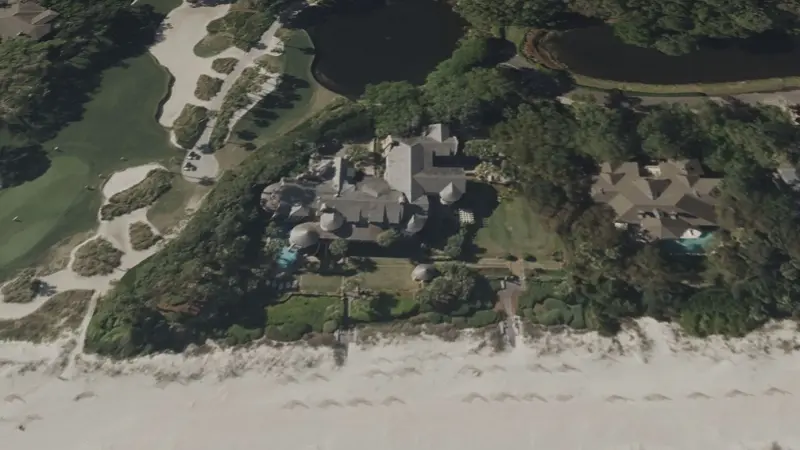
693	245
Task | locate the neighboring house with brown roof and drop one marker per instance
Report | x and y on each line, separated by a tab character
25	17
359	207
670	200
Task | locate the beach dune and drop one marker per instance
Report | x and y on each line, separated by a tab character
648	389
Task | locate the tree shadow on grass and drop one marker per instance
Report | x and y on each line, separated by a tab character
21	164
283	98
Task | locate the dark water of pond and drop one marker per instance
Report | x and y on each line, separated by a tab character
596	52
370	42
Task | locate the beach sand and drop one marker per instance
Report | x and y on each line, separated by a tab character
648	389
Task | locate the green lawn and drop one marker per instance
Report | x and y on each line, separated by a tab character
119	122
313	282
390	274
513	228
298	97
301	309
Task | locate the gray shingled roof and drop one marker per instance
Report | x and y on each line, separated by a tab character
410	170
25	17
675	198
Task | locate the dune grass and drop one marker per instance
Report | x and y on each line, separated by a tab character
207	87
142	236
224	65
212	45
190	124
63	312
96	257
22	289
141	195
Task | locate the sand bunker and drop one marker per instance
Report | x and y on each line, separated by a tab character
691	394
115	231
184	27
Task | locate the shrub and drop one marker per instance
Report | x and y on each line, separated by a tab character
189	125
330	326
238	335
509	257
139	196
224	65
294	331
388	238
552	312
22	289
207	87
142	236
96	257
483	318
458	322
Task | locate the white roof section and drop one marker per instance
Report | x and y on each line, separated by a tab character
331	221
423	272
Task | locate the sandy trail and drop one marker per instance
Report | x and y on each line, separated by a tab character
185	26
115	231
647	390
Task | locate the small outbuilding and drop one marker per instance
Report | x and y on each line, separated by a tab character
424	272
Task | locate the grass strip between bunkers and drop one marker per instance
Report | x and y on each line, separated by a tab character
143	194
96	257
190	124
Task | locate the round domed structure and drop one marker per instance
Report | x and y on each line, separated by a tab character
331	221
423	272
304	235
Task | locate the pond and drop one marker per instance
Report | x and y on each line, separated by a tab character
367	42
596	52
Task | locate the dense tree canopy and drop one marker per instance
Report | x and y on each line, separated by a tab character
671	26
753	264
396	107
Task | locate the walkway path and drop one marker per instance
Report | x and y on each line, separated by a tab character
781	99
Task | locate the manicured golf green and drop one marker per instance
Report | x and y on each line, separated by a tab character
118	130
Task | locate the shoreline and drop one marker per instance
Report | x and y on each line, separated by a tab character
535	50
649	388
